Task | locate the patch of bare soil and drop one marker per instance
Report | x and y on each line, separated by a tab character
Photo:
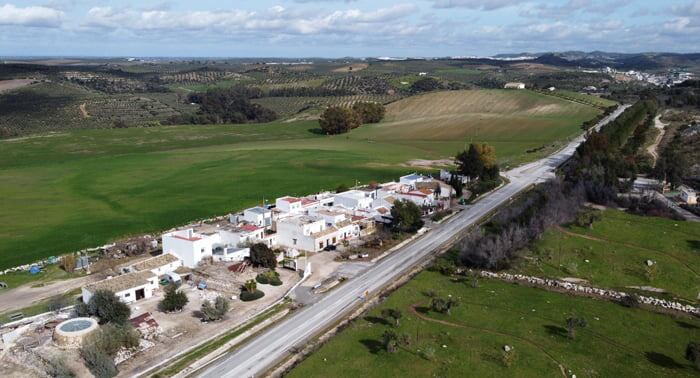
352	67
83	110
423	163
8	85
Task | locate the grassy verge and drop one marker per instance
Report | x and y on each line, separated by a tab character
48	274
469	342
183	361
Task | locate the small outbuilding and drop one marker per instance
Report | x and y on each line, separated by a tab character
688	195
514	85
128	287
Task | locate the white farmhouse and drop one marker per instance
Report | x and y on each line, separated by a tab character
313	233
190	247
128	287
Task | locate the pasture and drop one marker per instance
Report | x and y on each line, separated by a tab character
65	191
613	254
469	342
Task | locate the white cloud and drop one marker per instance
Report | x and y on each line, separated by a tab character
476	4
30	16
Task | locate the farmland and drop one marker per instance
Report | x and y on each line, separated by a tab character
618	341
91	186
613	254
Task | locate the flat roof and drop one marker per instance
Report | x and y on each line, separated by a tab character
123	282
258	210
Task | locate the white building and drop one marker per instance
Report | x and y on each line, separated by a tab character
354	199
314	233
190	247
158	265
514	86
258	216
128	287
688	195
412	179
289	204
228	254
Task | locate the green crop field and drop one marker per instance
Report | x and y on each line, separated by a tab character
82	188
613	253
618	341
513	121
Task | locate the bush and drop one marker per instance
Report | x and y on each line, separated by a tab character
174	299
215	311
247	296
58	302
425	84
270	278
57	369
98	362
630	301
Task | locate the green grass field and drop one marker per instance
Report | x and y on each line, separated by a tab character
616	249
618	341
66	191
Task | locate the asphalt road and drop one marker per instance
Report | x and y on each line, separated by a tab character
273	345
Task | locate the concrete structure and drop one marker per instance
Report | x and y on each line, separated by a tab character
72	332
688	195
514	86
158	265
291	205
190	247
230	254
128	287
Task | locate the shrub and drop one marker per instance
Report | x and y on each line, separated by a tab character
630	301
98	362
247	296
174	299
58	302
215	311
270	277
57	369
692	354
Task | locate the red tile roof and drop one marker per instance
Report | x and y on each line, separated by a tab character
291	199
249	227
307	202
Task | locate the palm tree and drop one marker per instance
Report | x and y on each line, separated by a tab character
251	286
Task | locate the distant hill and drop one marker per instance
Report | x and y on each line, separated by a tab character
622	61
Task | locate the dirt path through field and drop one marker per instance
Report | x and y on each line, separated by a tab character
25	295
652	149
601	240
83	110
488	330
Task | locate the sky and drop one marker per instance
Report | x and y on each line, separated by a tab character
342	28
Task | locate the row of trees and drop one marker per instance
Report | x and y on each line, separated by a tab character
339	119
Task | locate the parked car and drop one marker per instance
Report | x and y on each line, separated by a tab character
201	285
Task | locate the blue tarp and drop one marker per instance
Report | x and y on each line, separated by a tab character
34	269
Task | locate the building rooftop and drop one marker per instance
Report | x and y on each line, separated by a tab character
155	262
258	210
290	199
123	282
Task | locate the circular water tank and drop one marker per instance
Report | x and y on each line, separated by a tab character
70	333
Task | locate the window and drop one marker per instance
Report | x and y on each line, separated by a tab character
294	241
320	245
127	295
334	240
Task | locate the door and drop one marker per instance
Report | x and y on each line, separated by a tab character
140	294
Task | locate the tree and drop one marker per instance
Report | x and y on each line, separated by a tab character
487	154
338	120
98	362
574	322
174	299
106	306
369	112
692	354
215	311
469	162
456	183
442	305
250	286
390	341
68	262
406	217
100	347
262	256
392	313
425	84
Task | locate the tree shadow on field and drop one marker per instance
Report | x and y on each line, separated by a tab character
316	130
374	346
686	325
423	309
694	244
556	331
377	320
662	360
